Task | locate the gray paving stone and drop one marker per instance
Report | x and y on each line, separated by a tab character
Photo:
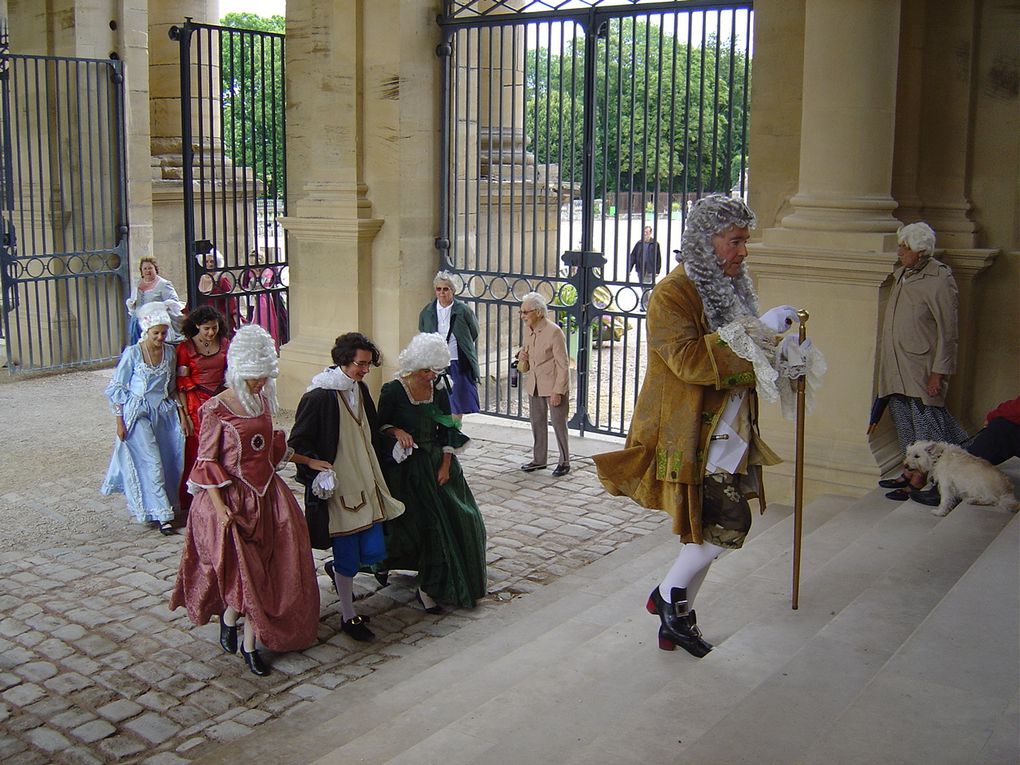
152	727
47	739
80	755
117	711
72	718
22	695
165	758
37	671
120	746
94	730
15	656
67	682
26	757
29	639
96	645
7	679
227	731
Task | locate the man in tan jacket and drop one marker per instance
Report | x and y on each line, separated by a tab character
693	450
544	355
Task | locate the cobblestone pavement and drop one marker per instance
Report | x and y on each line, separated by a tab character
95	668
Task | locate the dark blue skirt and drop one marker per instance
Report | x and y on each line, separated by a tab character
464	395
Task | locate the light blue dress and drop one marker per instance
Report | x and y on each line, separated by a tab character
146	466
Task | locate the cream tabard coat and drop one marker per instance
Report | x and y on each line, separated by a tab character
919	334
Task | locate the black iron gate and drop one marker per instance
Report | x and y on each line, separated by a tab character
234	172
63	211
566	133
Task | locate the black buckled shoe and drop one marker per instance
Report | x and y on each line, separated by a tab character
532	466
929	497
894	483
357	629
899	495
678	625
254	662
382	577
228	637
561	470
655	602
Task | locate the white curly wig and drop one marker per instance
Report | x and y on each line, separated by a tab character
920	237
252	355
427	350
725	298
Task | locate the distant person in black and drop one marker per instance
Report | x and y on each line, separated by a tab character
646	259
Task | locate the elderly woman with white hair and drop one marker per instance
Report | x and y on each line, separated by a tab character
455	321
247	549
544	355
148	455
441	534
918	349
694	450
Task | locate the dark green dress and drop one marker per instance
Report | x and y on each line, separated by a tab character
440	534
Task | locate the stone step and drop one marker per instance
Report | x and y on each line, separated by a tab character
951	690
826	673
571	673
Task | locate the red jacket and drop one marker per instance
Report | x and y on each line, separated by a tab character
1010	410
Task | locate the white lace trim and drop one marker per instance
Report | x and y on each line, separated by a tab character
756	350
777	369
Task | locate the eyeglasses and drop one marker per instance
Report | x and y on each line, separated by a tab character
528	310
362	364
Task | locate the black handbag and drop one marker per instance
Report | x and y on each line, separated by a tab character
317	518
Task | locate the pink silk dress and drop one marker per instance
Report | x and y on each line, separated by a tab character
261	564
199	378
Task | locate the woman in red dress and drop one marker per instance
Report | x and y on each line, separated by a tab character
201	374
246	551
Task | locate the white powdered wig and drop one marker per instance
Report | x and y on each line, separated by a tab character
427	350
919	237
153	314
251	356
726	299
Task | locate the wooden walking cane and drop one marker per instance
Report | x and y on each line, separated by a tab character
798	475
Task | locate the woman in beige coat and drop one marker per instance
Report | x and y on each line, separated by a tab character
918	350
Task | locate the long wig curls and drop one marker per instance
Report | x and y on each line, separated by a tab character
726	299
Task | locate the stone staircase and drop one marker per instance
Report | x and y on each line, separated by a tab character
905	649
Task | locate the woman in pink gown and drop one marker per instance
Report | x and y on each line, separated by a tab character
246	551
201	374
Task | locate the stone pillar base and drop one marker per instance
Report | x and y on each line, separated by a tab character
836	277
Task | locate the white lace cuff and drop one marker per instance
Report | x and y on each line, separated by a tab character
758	350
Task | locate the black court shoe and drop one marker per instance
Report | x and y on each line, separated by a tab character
228	637
357	629
254	662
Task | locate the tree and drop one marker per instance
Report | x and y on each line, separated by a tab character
251	71
668	116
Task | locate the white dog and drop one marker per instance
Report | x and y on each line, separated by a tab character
960	475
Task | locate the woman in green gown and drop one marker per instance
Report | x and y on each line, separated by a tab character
441	534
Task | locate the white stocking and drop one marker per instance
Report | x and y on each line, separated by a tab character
345	586
249	637
689	569
230	617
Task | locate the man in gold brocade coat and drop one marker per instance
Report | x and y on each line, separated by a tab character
694	450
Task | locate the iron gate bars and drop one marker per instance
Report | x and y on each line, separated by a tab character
567	129
234	171
63	211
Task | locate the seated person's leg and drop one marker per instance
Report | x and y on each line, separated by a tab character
997	442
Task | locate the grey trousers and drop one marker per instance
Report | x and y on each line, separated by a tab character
540	412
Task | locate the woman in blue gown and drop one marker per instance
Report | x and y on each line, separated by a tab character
148	455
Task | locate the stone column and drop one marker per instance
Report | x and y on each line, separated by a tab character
361	92
945	121
166	129
835	247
